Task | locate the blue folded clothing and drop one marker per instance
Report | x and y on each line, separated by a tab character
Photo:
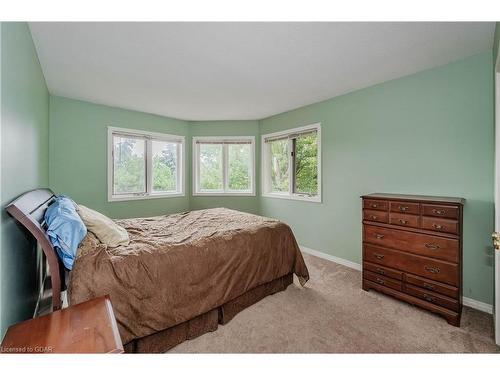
65	229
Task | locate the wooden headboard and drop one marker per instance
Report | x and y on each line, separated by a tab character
29	210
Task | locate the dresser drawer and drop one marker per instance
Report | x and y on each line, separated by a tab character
432	286
450	212
384	271
432	297
417	243
404	220
382	280
440	225
375	204
430	268
379	216
405	207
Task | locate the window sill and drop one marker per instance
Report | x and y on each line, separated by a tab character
222	194
122	198
316	199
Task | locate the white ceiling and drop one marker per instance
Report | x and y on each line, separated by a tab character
235	71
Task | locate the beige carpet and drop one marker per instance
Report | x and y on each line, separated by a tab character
332	314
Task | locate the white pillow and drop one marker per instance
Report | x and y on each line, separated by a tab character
105	229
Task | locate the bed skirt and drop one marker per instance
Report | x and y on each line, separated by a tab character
165	340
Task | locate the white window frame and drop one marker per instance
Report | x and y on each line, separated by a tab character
149	137
225	181
266	173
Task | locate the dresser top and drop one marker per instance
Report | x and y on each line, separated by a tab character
421	198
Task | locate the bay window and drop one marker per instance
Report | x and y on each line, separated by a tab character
291	164
223	166
144	165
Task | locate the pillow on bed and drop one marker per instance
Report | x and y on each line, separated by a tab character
105	229
65	229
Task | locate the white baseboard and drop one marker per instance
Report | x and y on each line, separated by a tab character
477	305
469	302
331	258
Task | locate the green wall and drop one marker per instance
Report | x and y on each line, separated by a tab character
228	128
496	42
78	155
428	133
25	153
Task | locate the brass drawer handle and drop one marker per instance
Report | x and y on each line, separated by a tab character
403	221
432	246
379	236
428	286
374	217
381	271
437	226
374	205
378	256
428	298
438	212
403	208
432	269
380	281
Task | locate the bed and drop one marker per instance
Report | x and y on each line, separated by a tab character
181	275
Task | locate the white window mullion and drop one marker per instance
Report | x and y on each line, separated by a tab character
197	167
225	172
180	166
111	165
149	166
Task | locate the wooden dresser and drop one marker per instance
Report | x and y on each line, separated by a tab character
412	250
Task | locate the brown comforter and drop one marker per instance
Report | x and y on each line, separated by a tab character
183	265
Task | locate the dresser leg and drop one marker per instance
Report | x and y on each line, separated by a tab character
453	320
364	287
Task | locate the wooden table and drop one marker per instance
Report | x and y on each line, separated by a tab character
89	327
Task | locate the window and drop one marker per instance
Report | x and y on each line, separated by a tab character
291	164
144	165
223	166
